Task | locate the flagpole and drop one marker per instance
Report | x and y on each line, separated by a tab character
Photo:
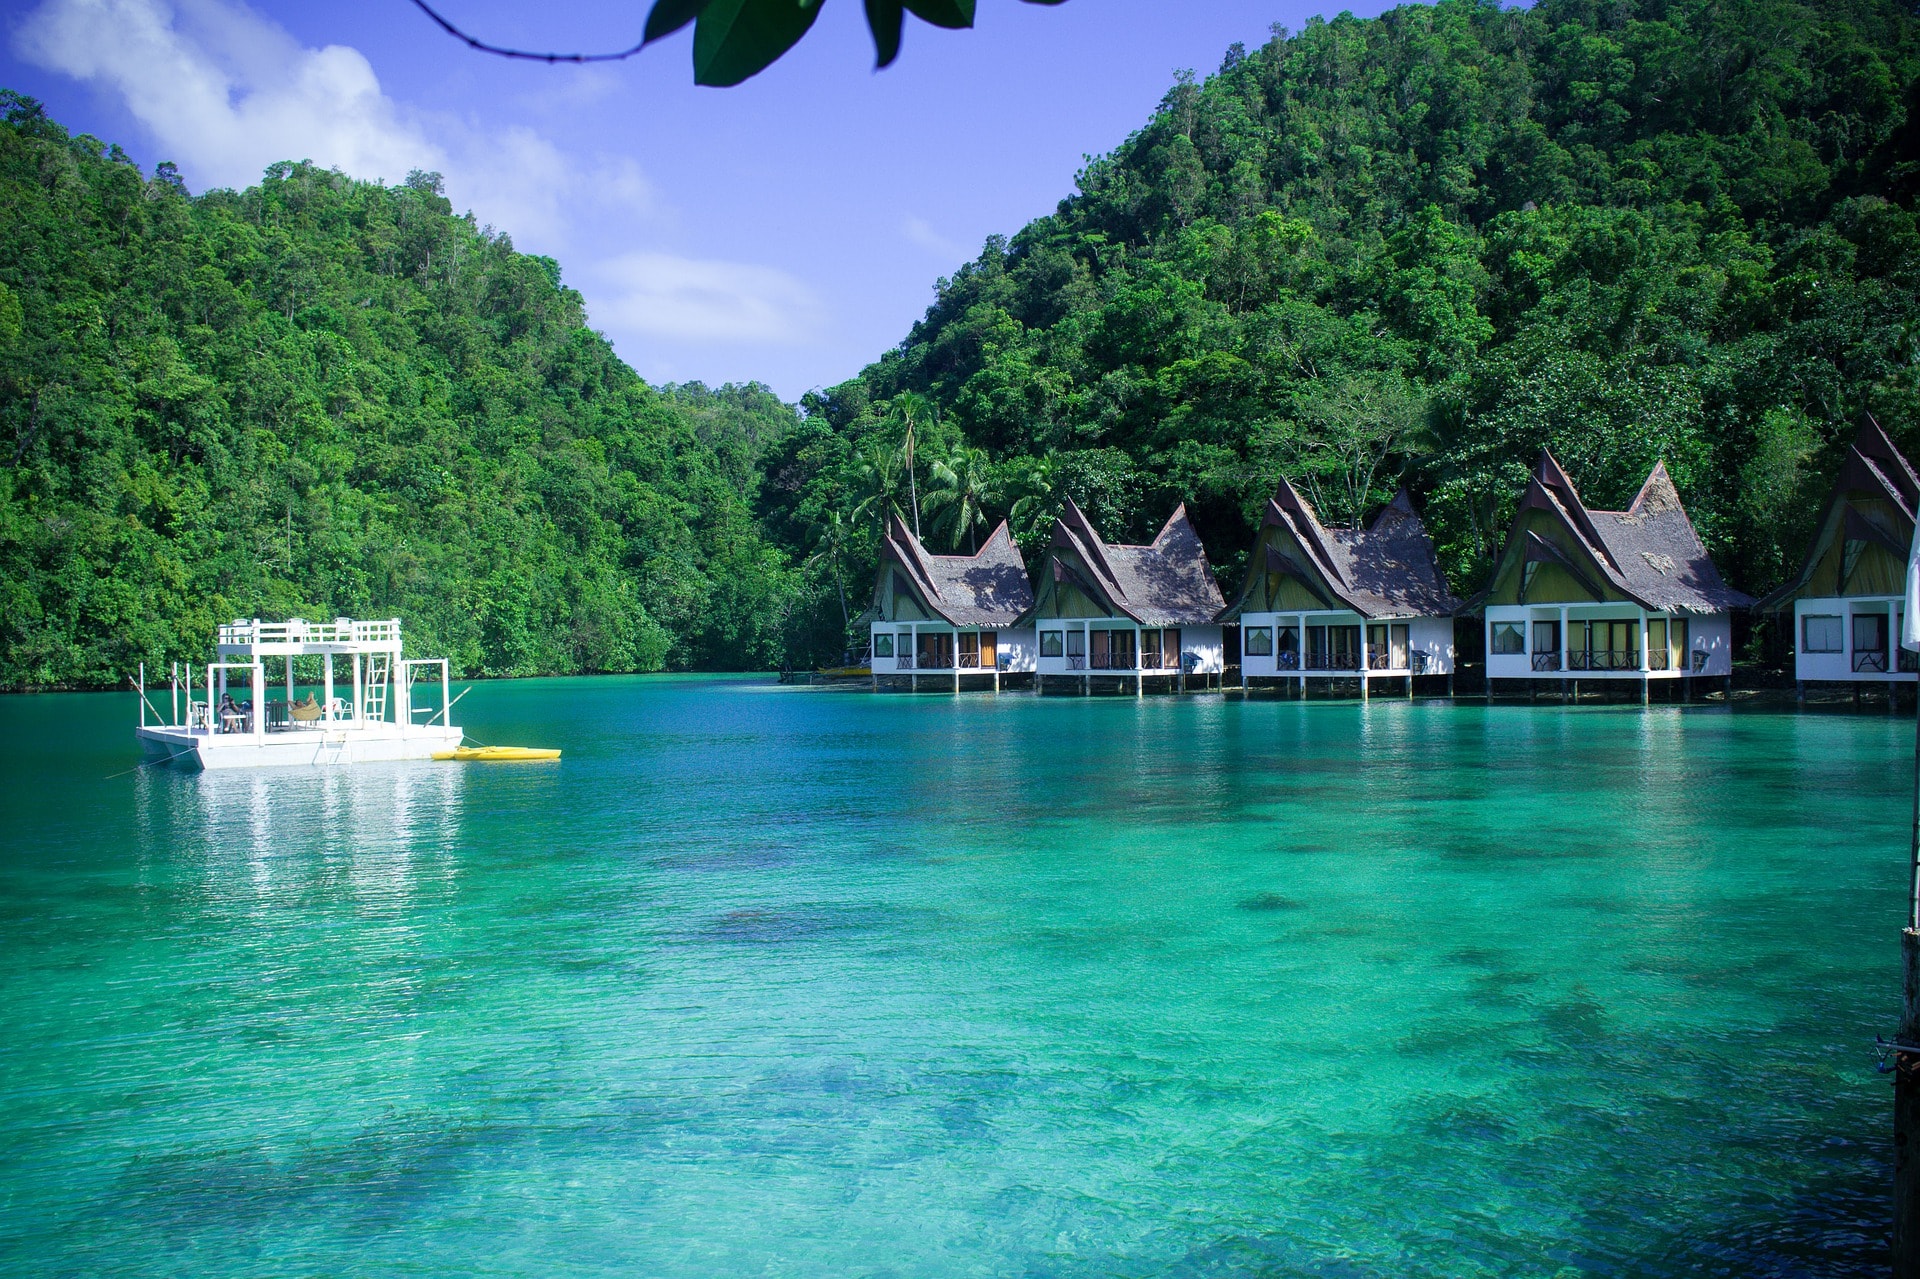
1906	1053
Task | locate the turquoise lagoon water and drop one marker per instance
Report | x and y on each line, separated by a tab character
766	981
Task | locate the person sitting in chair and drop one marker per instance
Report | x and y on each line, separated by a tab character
233	719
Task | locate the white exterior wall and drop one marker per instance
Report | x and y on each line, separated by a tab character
1205	643
1839	666
1710	633
1430	635
1018	650
1201	642
1014	648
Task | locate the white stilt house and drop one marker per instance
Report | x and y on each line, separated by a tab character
1605	597
1126	618
382	715
1355	607
1845	602
950	620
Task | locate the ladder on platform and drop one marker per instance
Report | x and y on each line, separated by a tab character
379	675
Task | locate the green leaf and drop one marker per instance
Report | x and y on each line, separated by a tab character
736	39
668	16
952	14
884	18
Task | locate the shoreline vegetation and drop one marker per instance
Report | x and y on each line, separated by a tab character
1415	250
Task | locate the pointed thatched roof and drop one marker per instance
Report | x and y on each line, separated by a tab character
1387	569
1166	583
987	588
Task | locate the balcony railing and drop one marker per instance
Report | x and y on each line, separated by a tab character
970	661
1548	660
1870	661
1076	662
1603	659
904	662
1380	661
1113	662
1658	659
1906	661
1286	661
1331	662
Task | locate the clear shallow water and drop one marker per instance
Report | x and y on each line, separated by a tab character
766	981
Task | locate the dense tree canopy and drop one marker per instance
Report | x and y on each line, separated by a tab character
1418	248
328	397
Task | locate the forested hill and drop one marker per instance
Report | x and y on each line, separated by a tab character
1422	247
324	397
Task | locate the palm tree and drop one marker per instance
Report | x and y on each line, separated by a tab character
832	539
1034	484
963	487
874	474
913	408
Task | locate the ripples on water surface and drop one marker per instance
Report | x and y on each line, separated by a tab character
773	981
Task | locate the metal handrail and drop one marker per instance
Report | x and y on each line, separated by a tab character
1287	660
1076	662
1603	659
1870	661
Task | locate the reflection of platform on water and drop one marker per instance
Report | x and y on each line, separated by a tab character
257	831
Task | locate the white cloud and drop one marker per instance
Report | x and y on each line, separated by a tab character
225	93
662	295
920	231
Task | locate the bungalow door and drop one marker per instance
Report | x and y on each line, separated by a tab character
1400	646
970	650
1102	644
989	650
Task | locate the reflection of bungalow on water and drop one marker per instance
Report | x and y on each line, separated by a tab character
1846	596
950	619
1608	596
1125	618
1355	605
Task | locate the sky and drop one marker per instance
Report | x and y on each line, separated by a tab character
788	231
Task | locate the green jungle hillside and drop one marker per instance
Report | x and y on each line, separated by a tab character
324	397
1419	248
1412	249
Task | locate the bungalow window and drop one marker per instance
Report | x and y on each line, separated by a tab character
936	651
1150	650
989	650
1120	655
1870	642
1344	641
1049	643
1077	645
1288	656
883	644
1656	643
1099	639
1822	633
1510	637
1259	641
970	650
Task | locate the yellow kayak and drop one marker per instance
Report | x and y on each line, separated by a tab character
496	754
